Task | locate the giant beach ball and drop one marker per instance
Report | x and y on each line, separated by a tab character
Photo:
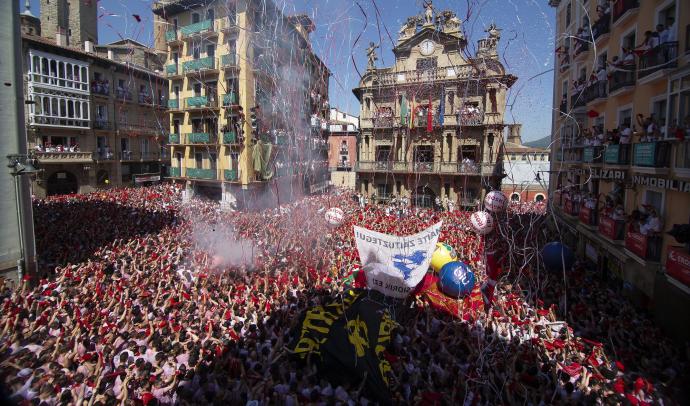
456	279
557	257
482	222
335	216
495	201
443	254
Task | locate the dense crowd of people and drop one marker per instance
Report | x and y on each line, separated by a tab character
146	299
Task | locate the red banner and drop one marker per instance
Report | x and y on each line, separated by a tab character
568	206
637	244
607	227
678	265
586	215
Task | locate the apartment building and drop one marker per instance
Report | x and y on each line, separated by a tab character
92	121
527	169
248	98
343	132
621	144
432	124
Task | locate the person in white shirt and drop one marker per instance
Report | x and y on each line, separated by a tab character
652	225
626	135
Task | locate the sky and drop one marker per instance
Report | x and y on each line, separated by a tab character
344	29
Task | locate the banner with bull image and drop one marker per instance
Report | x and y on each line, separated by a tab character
394	265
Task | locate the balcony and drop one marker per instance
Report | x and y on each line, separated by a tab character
682	164
145	98
138	156
421	122
171	70
198	65
601	27
123	94
471	117
200	138
623	8
463	168
230	175
383	122
171	36
200	102
198	173
582	46
450	168
646	247
623	78
64	157
229	99
578	100
593	155
100	87
588	216
197	28
563	108
652	154
229	137
665	56
229	24
174	104
102	124
173	138
228	61
617	154
612	229
596	91
175	172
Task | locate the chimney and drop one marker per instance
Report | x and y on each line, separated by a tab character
61	37
514	134
111	54
88	46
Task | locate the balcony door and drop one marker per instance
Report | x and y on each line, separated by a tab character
199	160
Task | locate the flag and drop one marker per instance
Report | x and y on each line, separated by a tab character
412	113
348	339
429	118
394	265
404	111
442	106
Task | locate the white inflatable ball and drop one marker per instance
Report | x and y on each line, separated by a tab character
495	201
482	222
335	216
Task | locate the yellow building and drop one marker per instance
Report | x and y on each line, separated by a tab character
223	60
432	124
621	144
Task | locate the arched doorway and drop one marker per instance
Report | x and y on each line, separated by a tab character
424	196
62	183
539	197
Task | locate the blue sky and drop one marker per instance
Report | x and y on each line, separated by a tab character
344	28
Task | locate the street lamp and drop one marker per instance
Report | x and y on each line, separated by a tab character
20	165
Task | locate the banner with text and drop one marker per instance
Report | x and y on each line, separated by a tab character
394	265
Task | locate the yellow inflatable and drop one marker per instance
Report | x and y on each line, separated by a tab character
443	254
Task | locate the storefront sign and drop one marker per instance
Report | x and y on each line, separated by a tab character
678	265
598	173
661	183
637	244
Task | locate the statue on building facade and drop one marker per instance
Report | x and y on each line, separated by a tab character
449	21
410	27
429	13
371	54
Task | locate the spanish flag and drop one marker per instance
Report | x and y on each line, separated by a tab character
412	113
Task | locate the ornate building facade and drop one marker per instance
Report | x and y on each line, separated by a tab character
432	124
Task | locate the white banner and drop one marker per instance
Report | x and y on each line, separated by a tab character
394	265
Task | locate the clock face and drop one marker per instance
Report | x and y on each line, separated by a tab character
427	47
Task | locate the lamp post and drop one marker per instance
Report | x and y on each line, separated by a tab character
20	165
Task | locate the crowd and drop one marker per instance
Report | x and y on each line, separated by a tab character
146	299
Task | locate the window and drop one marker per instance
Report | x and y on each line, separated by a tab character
659	114
212	157
196	52
382	190
383	153
197	89
629	40
424	154
176	127
654	199
124	144
101	112
568	14
209	14
625	118
515	197
195	18
539	197
210	50
427	63
198	159
178	158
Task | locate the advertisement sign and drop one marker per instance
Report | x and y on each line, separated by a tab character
607	228
644	154
637	244
611	154
678	265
